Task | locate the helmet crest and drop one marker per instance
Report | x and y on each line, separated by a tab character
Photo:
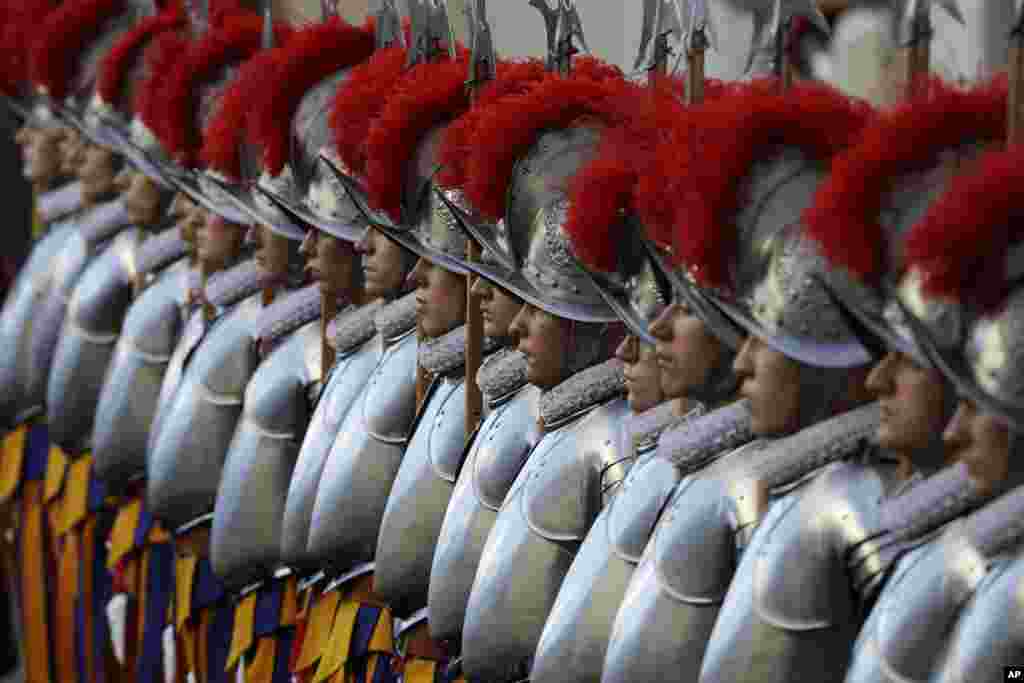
314	53
844	218
117	63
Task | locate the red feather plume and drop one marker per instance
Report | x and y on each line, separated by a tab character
505	133
961	244
160	55
313	54
18	20
845	213
63	36
236	39
427	96
458	141
223	136
732	134
359	100
118	61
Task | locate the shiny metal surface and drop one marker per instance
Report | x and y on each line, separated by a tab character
92	325
186	457
344	387
364	460
245	545
419	498
574	641
674	595
791	610
127	403
547	513
990	634
94	230
17	320
495	458
777	292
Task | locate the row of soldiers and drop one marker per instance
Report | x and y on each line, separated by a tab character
354	353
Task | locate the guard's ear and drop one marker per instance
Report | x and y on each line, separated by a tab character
123	180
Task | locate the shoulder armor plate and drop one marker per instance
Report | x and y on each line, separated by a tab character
390	403
363	462
343	390
128	400
184	465
91	326
418	500
563	493
245	545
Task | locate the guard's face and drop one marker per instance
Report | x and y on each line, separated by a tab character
97	174
913	404
980	440
190	218
771	383
330	261
544	339
271	251
440	298
142	200
218	242
42	164
23	136
497	308
643	377
687	353
72	152
383	261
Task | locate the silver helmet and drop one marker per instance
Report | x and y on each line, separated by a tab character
964	302
902	164
98	29
276	197
533	257
762	271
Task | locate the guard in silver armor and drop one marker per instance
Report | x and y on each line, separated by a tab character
800	367
769	609
565	332
695	371
246	541
930	586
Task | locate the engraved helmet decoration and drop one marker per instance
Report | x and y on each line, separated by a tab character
967	257
762	156
880	192
316	63
531	147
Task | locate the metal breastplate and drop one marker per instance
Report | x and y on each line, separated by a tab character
91	327
791	609
17	321
364	460
495	458
343	389
90	239
127	402
192	335
673	597
580	623
419	497
990	633
185	461
246	542
547	512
